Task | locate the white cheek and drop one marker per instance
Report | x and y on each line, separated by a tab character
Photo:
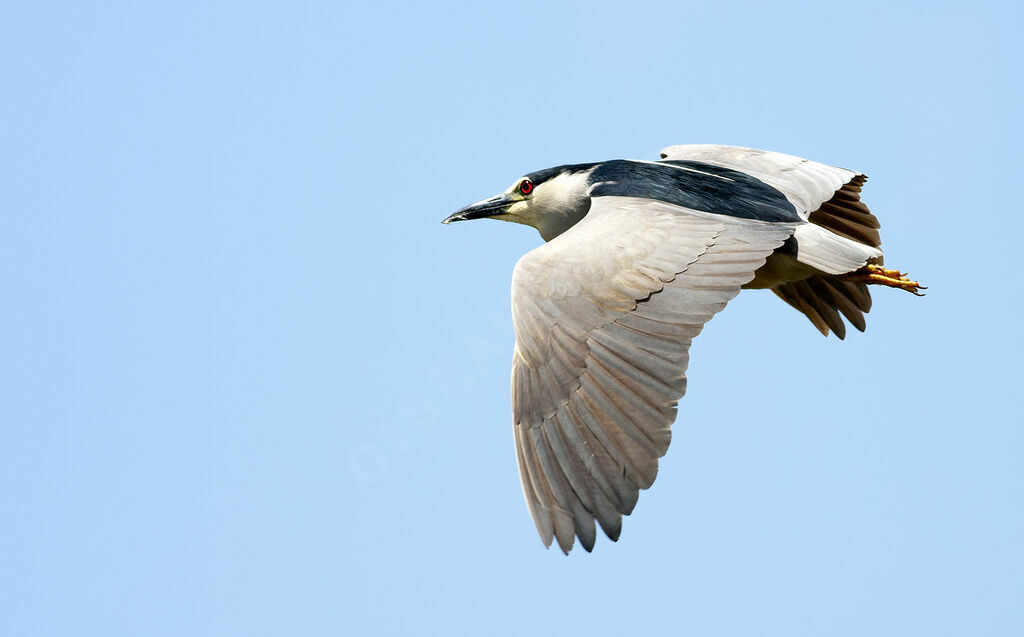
520	208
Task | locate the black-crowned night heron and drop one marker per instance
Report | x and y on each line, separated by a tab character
639	256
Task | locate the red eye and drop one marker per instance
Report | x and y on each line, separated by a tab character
526	186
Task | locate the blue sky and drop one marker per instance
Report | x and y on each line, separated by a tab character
250	385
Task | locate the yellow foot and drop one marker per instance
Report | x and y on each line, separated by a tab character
877	275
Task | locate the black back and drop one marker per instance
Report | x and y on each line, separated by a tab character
695	185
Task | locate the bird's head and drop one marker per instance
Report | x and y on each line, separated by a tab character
551	200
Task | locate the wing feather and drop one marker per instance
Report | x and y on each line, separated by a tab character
536	501
590	491
601	460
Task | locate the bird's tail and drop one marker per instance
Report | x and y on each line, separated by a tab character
822	298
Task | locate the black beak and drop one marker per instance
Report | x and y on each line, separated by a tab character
481	209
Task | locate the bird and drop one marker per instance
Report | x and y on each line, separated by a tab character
638	256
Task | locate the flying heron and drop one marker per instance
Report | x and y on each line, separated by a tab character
639	255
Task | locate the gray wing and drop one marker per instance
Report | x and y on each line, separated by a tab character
604	315
807	184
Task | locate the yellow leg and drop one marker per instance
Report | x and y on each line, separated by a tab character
877	275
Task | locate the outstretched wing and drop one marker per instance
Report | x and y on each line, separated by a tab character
807	184
604	315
